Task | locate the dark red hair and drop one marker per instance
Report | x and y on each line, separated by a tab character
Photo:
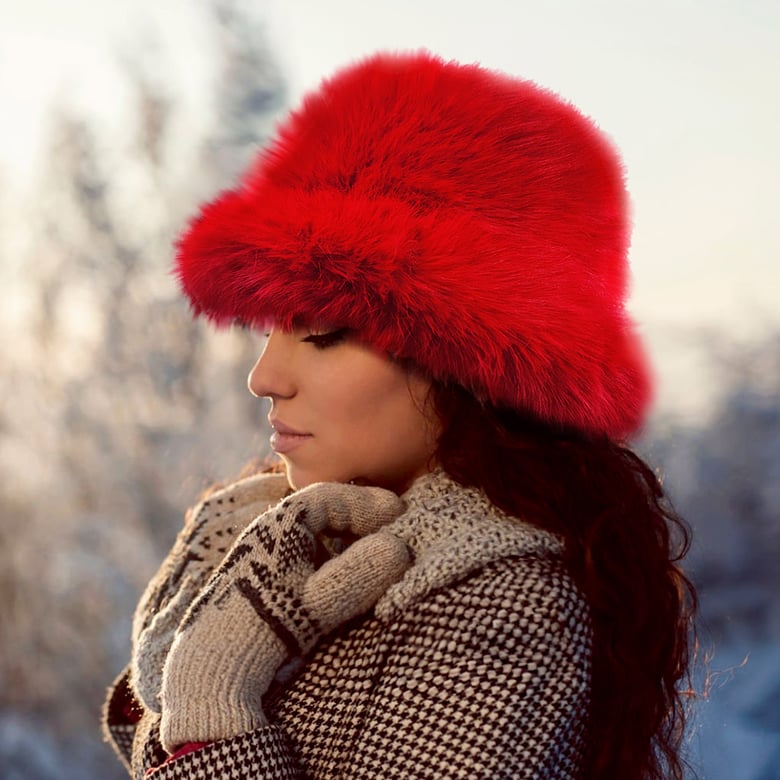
623	547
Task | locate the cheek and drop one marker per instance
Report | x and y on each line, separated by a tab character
383	417
359	392
368	423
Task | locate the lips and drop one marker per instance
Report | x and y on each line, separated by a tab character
284	439
280	427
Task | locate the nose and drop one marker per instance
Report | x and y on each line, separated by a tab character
272	375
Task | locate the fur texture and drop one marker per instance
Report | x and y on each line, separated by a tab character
464	219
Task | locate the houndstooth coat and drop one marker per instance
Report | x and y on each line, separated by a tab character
475	665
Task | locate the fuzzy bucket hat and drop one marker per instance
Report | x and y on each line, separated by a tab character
469	221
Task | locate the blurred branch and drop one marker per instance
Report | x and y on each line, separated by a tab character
118	406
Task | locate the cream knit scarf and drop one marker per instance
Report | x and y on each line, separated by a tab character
453	531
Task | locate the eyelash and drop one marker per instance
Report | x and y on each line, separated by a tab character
325	340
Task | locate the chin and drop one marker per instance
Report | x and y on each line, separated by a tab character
300	478
297	480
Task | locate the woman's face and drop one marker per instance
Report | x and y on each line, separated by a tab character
343	412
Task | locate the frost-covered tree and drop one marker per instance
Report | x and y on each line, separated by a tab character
118	408
724	477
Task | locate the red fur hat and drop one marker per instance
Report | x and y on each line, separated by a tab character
466	220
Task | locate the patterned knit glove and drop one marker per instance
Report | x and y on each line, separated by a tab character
268	603
210	529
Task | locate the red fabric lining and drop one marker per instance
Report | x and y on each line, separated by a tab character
189	747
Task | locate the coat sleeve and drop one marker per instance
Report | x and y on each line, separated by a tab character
257	755
486	679
264	753
120	718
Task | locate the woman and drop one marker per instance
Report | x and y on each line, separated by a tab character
464	572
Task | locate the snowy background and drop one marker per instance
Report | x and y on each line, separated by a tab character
118	118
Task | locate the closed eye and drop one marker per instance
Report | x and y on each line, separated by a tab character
325	340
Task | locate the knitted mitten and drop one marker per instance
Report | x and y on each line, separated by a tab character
210	529
268	603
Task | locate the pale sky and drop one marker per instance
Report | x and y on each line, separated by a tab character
688	90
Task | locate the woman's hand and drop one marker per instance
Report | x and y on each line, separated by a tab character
268	602
210	529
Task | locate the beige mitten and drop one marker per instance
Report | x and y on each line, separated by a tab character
210	529
268	603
